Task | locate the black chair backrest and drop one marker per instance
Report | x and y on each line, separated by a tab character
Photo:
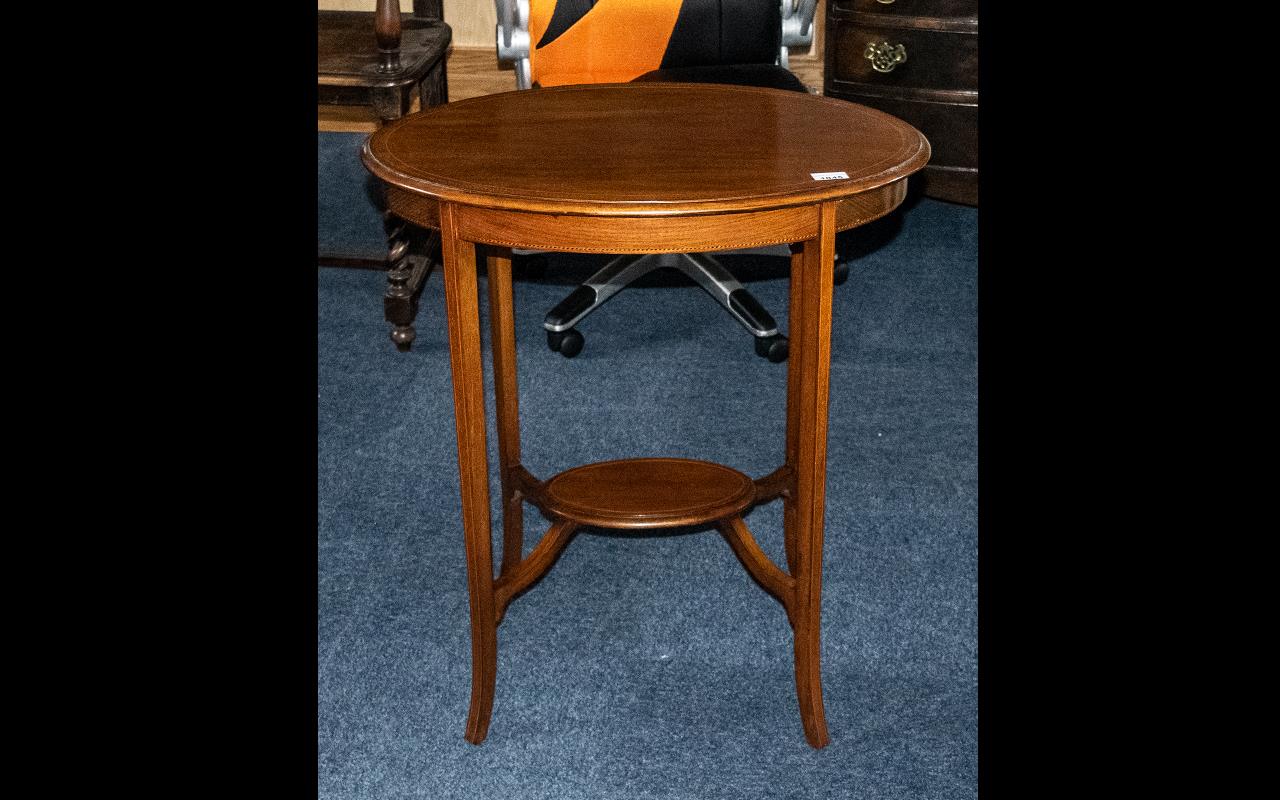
711	32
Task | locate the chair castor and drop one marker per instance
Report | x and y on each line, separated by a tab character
566	343
774	348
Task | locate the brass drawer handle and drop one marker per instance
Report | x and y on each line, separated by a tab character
885	2
884	56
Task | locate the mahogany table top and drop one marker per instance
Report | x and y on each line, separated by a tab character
647	149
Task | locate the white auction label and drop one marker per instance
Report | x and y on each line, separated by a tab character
828	176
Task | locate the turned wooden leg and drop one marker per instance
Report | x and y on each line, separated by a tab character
405	279
462	302
399	305
387	32
502	320
808	383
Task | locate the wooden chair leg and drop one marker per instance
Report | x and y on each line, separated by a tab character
390	104
406	274
433	89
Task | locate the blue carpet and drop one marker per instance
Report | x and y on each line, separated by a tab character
349	200
652	666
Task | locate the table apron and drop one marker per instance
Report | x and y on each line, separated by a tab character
644	234
582	234
416	208
868	206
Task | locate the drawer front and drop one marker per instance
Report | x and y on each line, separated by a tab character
952	130
929	59
912	8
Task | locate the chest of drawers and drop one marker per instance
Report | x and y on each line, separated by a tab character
917	60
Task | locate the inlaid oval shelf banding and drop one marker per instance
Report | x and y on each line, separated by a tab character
648	493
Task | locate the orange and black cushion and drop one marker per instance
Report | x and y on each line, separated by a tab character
614	41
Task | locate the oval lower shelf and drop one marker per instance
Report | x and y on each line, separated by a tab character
649	493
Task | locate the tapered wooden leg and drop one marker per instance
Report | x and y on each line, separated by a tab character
808	384
794	315
502	320
462	303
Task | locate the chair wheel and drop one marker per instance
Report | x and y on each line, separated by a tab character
566	343
774	348
532	266
841	273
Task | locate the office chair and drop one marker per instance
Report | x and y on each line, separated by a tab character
744	42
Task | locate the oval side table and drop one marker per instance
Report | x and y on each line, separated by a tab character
642	168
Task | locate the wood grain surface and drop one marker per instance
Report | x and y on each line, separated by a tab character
653	149
649	493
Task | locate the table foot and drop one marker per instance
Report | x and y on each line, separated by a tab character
403	336
484	677
809	678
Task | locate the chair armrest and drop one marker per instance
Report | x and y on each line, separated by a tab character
513	37
797	22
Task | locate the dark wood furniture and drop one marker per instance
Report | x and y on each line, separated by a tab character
384	59
917	60
641	168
